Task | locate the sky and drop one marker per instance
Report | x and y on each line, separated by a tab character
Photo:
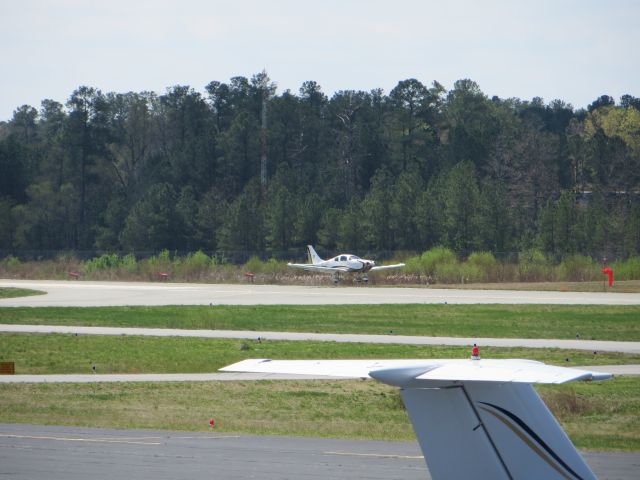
572	50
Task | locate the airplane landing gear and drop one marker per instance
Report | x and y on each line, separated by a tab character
335	279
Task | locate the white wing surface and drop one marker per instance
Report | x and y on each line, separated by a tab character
387	267
331	368
418	371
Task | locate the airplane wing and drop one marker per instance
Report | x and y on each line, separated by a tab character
478	419
387	267
401	373
317	268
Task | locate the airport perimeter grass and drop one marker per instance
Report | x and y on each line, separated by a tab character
471	321
11	292
596	415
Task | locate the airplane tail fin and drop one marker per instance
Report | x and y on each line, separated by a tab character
313	256
482	430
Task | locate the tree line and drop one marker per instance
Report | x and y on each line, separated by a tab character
244	168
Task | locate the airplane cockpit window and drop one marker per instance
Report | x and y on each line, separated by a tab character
343	258
354	257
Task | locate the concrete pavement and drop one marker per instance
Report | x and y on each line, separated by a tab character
592	345
69	453
92	294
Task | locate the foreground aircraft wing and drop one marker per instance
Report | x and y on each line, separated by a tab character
423	371
317	268
479	419
387	267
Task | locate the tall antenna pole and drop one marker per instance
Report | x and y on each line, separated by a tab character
263	142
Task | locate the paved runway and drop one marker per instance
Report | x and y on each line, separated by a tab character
92	294
68	453
166	377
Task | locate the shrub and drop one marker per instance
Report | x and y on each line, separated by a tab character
413	266
449	273
470	273
481	266
533	266
101	263
163	258
254	264
158	263
627	270
274	267
194	264
578	268
128	263
10	261
435	257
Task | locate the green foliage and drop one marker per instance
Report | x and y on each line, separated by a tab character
415	169
157	264
10	261
274	267
103	262
452	272
533	266
195	263
438	256
627	270
438	265
111	264
19	292
578	268
483	266
254	265
128	263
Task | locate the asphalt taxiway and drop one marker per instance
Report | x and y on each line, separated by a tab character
68	453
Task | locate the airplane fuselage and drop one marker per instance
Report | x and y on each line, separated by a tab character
348	263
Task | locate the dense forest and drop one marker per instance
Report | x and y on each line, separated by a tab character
242	168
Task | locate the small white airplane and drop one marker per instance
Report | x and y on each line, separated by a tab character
343	263
479	419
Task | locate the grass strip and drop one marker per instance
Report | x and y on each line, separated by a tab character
59	353
596	415
506	321
10	292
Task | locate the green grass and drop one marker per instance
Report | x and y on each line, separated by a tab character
506	321
11	292
47	354
599	415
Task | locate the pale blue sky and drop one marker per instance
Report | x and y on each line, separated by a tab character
574	50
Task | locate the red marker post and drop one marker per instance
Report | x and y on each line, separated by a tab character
609	273
475	352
